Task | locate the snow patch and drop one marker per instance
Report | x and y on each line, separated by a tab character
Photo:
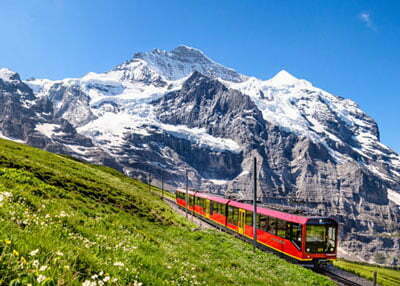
202	138
47	129
11	139
219	182
78	149
394	196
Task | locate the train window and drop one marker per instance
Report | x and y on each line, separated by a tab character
249	218
281	228
230	214
191	199
211	207
218	208
233	215
222	209
272	225
320	238
295	234
264	222
288	230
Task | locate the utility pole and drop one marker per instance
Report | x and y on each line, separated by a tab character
162	186
187	194
149	181
255	204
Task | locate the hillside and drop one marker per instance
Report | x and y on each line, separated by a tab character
66	222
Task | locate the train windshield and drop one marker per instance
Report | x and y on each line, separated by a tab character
321	238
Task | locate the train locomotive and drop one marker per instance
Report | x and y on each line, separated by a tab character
310	241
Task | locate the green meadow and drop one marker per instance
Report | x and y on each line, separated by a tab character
385	276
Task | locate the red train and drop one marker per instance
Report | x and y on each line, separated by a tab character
311	241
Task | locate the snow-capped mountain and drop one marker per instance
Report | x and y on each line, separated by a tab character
165	112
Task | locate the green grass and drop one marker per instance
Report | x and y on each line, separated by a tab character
64	222
386	276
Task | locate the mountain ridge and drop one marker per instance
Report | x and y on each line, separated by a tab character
166	112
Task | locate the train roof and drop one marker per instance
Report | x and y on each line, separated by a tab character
270	212
260	210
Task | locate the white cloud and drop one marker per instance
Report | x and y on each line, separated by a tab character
366	18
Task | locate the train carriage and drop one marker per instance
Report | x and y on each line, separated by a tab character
306	240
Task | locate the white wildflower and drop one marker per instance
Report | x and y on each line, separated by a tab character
89	283
119	264
106	279
95	276
114	280
41	278
43	268
63	214
4	196
35	263
59	253
34	252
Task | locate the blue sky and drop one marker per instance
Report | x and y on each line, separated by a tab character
349	48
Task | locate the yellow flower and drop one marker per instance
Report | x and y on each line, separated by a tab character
16	253
8	242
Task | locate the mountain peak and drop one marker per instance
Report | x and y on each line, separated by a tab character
182	61
283	78
8	75
187	51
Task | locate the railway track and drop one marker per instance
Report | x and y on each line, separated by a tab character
339	279
342	281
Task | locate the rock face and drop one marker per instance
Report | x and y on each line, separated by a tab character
36	121
168	112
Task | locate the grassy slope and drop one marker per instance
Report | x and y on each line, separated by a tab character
386	276
65	222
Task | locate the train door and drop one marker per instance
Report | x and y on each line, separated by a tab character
242	220
207	208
